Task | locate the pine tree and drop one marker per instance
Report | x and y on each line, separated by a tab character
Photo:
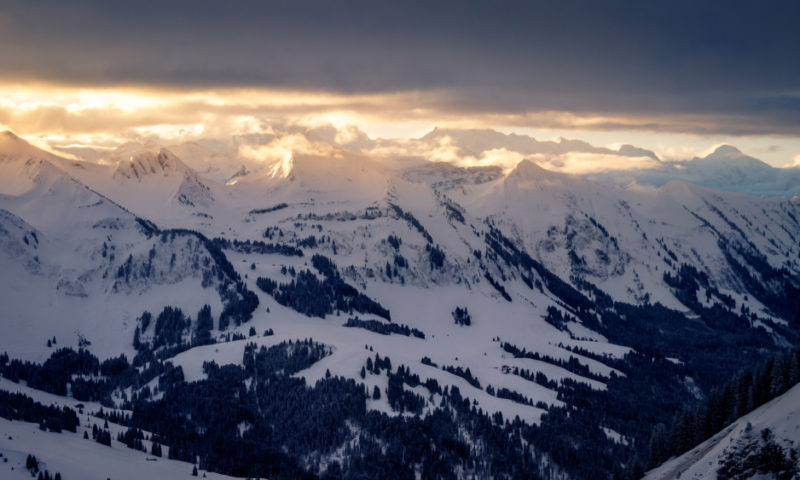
794	369
659	445
777	381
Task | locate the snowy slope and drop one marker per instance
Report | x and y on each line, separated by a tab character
73	456
781	416
624	239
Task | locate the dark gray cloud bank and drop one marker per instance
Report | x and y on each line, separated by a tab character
732	67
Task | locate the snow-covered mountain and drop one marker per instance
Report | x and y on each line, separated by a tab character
726	168
532	293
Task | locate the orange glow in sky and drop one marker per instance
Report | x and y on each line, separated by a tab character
60	115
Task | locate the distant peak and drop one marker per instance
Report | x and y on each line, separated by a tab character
725	150
8	137
11	145
529	170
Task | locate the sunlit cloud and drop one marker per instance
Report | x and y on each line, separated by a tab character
277	156
387	126
583	163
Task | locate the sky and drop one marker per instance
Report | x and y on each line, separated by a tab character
676	77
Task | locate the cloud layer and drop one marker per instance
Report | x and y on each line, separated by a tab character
697	67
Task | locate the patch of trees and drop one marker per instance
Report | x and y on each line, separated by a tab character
86	378
32	466
775	288
205	323
687	281
103	437
746	391
394	241
412	221
309	295
56	372
463	373
132	438
453	212
427	361
555	318
171	326
370	213
276	207
307	242
286	357
239	306
462	317
400	399
383	328
501	246
257	246
512	395
399	262
497	286
239	302
435	256
18	406
538	377
755	455
379	364
572	365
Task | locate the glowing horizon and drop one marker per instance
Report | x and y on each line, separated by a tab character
55	116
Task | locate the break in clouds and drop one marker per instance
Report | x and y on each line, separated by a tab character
686	67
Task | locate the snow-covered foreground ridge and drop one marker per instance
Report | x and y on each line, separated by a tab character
571	315
739	443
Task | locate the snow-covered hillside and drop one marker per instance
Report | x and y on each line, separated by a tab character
781	417
530	292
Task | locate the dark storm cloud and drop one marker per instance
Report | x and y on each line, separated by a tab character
723	59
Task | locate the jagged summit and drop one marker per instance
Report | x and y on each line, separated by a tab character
146	163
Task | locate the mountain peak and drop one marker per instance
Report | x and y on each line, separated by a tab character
6	134
726	150
147	162
11	145
530	170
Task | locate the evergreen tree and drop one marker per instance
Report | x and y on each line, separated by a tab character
659	445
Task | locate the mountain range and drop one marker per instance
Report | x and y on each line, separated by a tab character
515	321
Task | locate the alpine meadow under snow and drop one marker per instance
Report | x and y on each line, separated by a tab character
351	309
